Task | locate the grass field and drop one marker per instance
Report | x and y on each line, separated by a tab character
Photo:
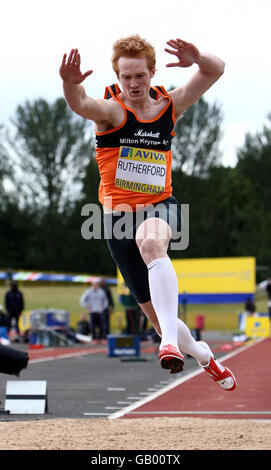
66	297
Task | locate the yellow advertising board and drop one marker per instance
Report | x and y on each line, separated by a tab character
216	275
257	327
214	280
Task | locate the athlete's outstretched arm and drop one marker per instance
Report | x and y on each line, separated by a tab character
74	92
210	69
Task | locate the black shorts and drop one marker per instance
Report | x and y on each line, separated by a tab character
124	250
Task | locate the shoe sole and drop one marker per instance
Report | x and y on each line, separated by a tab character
172	362
234	381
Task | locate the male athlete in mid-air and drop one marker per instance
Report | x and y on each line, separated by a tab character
134	126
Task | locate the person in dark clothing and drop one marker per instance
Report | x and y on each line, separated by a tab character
268	290
131	311
250	306
107	311
83	327
14	305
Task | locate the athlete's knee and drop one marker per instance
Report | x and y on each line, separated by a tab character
150	247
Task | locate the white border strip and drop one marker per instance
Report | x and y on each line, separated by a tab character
62	356
200	412
178	382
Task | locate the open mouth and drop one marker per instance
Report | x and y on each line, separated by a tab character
135	92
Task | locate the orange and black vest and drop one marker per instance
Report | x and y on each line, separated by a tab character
134	159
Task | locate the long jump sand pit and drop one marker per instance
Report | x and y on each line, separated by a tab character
157	433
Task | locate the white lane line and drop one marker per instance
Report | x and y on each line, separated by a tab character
116	389
144	393
113	408
62	356
96	414
152	396
124	402
133	398
178	382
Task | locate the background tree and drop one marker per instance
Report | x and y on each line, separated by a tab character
5	166
50	150
198	133
52	146
254	164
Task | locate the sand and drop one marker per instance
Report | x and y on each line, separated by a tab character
136	434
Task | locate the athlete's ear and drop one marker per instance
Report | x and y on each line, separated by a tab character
153	71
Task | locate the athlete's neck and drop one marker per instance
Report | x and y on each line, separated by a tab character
141	104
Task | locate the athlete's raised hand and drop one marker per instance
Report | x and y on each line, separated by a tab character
186	53
70	69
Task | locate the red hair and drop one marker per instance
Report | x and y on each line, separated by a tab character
133	46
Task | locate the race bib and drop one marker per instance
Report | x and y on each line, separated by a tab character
141	170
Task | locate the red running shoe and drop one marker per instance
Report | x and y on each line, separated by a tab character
171	358
220	374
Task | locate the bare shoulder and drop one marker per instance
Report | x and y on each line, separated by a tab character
159	105
177	95
112	116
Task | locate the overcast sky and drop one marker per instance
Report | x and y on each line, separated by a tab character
34	35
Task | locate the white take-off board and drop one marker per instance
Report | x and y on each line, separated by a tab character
26	397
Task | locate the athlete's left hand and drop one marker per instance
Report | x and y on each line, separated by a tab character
186	53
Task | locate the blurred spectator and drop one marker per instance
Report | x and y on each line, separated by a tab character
108	310
14	304
3	327
266	285
132	312
250	306
95	301
83	327
268	290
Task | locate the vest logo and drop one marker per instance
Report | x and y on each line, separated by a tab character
151	156
142	133
126	152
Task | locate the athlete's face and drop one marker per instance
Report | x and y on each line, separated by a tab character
135	78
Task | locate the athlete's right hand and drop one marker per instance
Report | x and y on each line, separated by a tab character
70	69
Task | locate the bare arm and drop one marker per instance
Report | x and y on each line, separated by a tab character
210	69
74	92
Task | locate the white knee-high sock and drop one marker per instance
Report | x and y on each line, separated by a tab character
189	345
164	296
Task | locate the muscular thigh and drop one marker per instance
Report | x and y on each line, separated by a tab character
132	267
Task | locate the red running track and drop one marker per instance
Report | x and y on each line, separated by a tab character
42	354
200	396
45	354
